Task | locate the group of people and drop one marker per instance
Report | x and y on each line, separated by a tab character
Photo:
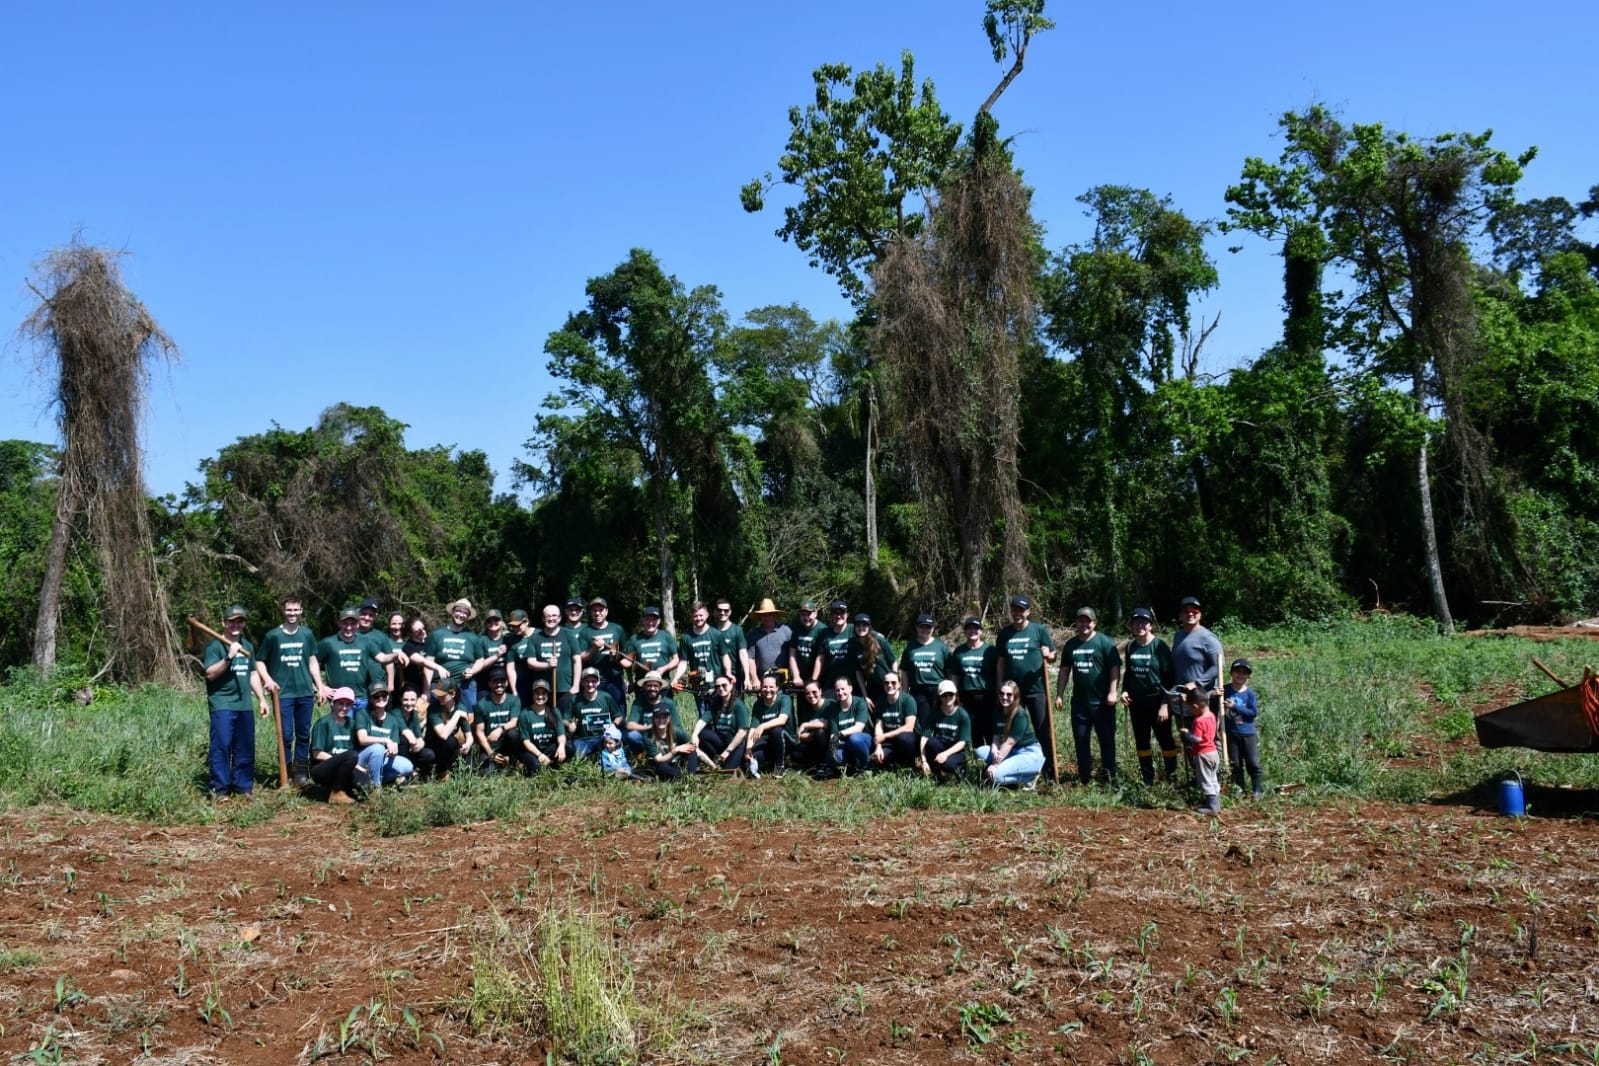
409	702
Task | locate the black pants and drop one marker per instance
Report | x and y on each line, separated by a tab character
901	751
423	761
1090	720
714	744
1244	748
671	770
771	749
529	761
980	709
952	767
1147	726
336	774
1038	709
446	752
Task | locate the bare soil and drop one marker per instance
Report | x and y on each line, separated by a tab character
1277	933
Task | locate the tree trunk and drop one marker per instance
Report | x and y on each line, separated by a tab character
1429	537
55	571
871	479
663	549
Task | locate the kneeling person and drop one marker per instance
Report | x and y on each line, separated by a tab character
720	733
379	733
541	731
335	763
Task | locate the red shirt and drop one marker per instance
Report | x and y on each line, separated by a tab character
1204	730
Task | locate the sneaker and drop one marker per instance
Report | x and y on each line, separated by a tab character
339	797
1032	786
753	769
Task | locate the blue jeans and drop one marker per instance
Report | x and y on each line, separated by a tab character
1090	720
856	750
232	752
589	747
1019	767
381	767
297	726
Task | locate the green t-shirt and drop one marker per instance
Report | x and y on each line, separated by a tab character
1147	670
840	718
437	716
881	664
892	716
924	665
531	725
781	707
1021	728
1024	659
454	649
641	717
388	729
346	663
652	652
956	726
1092	661
377	642
806	647
836	646
331	735
607	663
231	691
288	660
703	653
733	642
592	715
561	646
974	668
727	719
491	715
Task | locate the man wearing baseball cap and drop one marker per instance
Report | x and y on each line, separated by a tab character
805	649
230	681
651	648
1025	648
1196	653
344	661
603	641
1093	666
836	646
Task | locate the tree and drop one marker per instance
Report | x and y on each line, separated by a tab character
98	340
638	397
1399	215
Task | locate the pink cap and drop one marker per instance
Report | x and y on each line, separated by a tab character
343	693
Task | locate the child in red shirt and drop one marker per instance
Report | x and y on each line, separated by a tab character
1201	738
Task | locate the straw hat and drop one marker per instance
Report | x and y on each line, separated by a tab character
471	612
766	607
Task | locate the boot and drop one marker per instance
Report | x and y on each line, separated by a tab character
339	797
297	773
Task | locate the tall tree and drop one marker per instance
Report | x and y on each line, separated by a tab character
98	340
637	394
1400	214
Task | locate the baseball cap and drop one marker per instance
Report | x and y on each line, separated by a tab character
236	611
863	619
924	619
807	605
663	711
1243	664
945	686
599	601
971	621
612	733
369	604
444	686
574	601
652	611
349	613
539	686
378	688
589	671
519	615
1190	601
494	614
1088	613
838	605
1143	612
1021	601
343	692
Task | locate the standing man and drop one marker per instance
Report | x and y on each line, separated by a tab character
1196	653
572	620
974	668
230	681
550	655
835	644
288	656
1146	676
459	652
923	665
736	647
1094	666
378	644
651	648
342	661
768	642
1023	649
603	641
701	654
805	653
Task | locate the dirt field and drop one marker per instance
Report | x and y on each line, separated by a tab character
1421	934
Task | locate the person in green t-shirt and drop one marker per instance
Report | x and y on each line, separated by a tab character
813	745
871	658
946	737
230	681
735	646
651	648
494	724
771	729
1016	757
602	642
1148	673
894	741
1023	651
549	654
379	737
722	728
592	710
448	726
288	656
379	645
335	763
835	646
413	734
973	666
344	660
806	653
1093	665
849	720
665	756
540	731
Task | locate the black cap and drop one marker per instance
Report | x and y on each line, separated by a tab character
1190	601
574	601
494	615
369	603
1021	601
663	711
924	619
1243	664
972	620
648	611
863	619
1143	612
838	605
349	613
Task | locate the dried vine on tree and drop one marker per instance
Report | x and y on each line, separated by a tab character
98	340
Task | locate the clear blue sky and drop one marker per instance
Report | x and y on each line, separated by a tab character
395	203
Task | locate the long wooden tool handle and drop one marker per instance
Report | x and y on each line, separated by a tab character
1049	720
1551	674
283	760
213	634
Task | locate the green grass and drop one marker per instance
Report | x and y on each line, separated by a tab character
1377	708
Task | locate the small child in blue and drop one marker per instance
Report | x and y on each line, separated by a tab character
1243	743
613	760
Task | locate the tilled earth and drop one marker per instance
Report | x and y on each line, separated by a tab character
1282	933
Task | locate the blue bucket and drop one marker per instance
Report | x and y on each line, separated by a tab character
1512	797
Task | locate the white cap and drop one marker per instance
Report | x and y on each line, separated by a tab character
945	686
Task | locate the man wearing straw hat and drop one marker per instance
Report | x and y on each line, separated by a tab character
459	652
768	642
